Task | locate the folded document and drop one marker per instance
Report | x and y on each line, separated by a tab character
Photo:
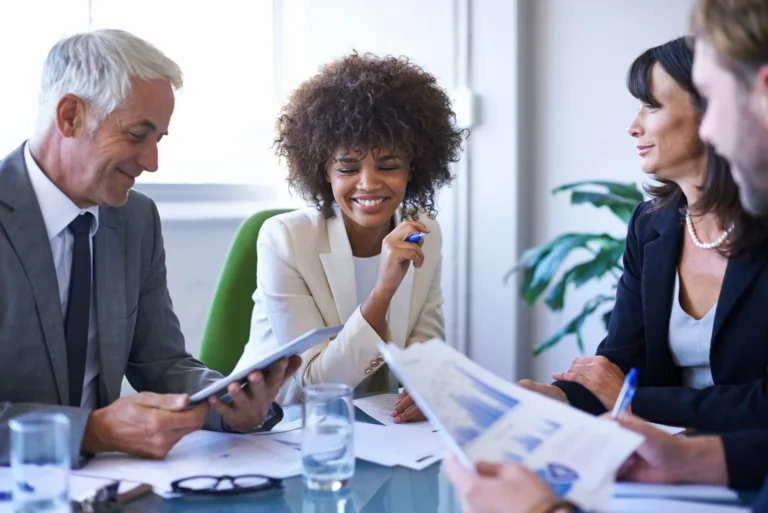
482	417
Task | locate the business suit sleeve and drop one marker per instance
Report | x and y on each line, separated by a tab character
78	418
430	323
704	408
291	311
746	457
158	361
761	502
625	343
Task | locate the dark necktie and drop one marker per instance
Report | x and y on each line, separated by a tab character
78	306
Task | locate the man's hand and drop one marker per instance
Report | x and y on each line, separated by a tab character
505	488
251	404
550	391
406	410
146	425
663	458
597	374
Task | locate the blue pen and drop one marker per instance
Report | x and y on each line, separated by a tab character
626	394
416	237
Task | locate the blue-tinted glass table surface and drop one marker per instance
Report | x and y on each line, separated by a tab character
374	489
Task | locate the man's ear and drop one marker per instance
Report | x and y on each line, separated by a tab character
70	115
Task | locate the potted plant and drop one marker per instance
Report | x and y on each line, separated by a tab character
540	265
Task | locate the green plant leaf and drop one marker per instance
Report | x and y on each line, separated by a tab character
604	261
573	327
620	206
541	263
629	191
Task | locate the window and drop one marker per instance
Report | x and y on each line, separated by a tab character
222	127
25	38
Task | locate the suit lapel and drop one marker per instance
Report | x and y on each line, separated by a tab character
739	274
25	228
339	268
109	285
658	287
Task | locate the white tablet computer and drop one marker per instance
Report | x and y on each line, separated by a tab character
267	358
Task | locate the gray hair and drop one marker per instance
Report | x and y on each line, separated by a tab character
98	66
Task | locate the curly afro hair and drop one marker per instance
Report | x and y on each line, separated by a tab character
362	102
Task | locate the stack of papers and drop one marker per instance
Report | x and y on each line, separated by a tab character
388	446
629	505
658	498
203	453
482	417
686	492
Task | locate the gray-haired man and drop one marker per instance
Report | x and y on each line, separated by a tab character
83	292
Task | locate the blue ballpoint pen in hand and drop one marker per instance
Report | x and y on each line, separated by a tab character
416	237
626	394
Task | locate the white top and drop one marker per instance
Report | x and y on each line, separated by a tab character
366	274
690	341
58	211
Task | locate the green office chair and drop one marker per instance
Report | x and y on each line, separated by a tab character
228	325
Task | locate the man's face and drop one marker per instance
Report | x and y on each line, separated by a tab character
736	124
105	160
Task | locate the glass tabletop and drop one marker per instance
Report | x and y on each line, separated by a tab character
374	489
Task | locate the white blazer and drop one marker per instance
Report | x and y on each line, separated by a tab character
306	280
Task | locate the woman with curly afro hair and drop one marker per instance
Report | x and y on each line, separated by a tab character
368	142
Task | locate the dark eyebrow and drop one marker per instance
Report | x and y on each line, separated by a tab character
387	158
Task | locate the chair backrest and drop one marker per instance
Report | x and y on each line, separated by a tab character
228	324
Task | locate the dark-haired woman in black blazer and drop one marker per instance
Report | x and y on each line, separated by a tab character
691	310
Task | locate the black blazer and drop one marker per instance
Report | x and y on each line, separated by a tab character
638	335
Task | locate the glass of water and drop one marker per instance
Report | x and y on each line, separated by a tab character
328	458
40	462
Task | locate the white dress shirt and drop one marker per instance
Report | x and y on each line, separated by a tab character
58	211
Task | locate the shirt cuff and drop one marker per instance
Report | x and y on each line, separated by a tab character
271	419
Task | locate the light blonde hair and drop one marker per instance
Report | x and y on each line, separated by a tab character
737	30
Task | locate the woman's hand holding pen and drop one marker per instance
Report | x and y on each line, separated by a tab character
397	255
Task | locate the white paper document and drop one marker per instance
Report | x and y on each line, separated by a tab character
389	446
634	505
203	452
672	430
482	417
694	492
379	408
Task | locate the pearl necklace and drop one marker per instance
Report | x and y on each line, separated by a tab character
705	245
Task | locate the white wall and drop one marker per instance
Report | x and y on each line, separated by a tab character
581	51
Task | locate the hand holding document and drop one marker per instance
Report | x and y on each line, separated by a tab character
484	418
